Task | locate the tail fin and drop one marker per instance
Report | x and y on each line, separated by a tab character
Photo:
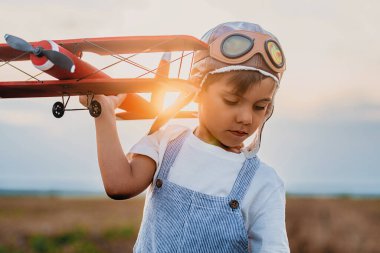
164	66
137	107
174	110
162	72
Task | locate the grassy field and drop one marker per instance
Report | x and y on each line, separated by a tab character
78	225
333	225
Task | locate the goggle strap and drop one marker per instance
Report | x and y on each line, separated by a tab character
241	67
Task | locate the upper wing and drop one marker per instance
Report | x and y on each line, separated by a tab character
116	45
28	89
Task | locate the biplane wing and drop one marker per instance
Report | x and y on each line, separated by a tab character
115	45
110	86
62	60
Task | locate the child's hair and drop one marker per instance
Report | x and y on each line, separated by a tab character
241	80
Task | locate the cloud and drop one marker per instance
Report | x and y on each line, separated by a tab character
22	118
333	106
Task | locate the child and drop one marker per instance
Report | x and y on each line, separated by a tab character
207	192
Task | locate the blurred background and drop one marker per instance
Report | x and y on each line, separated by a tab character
323	138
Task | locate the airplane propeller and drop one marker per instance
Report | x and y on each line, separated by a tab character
57	58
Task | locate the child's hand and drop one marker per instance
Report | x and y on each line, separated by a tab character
108	103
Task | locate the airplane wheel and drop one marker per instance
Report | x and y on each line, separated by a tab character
58	109
95	109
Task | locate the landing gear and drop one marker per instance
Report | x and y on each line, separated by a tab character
93	107
58	109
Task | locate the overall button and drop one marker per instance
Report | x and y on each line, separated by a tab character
234	204
158	183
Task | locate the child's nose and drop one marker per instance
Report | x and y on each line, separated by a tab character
244	116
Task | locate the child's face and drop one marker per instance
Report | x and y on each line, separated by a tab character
227	119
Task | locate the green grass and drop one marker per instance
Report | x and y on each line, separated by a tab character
119	233
74	241
8	249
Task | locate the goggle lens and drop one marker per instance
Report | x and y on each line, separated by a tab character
235	46
275	53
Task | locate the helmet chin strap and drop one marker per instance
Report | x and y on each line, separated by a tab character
252	149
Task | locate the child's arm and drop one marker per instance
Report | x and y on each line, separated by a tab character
268	233
121	179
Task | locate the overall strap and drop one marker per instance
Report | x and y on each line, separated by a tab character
244	178
170	155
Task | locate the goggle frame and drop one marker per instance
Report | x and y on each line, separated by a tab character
259	44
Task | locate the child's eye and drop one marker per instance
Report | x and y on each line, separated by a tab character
230	102
259	107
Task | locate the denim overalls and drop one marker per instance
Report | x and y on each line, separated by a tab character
178	219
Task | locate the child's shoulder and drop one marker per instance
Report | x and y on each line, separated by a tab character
172	131
268	176
168	133
154	145
165	134
266	191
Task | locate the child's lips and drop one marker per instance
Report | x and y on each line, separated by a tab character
238	133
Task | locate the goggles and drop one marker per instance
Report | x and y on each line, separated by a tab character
237	47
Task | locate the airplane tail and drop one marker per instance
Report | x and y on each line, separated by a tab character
174	110
163	69
137	107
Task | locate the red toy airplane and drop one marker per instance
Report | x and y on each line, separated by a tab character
62	60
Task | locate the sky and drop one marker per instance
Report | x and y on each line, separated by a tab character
322	138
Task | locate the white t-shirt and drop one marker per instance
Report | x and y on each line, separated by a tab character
212	170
